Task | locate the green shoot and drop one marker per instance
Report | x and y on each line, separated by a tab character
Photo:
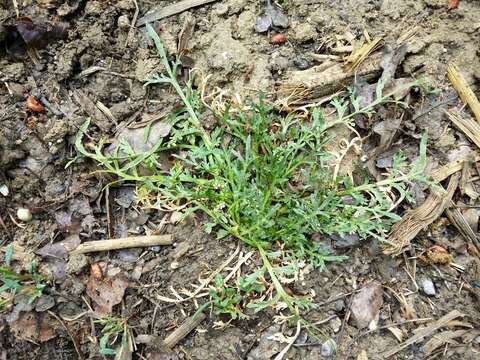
30	284
112	329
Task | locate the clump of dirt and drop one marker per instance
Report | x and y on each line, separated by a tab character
98	71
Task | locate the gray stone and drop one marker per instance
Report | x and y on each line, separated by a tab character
76	263
427	286
303	32
328	348
44	303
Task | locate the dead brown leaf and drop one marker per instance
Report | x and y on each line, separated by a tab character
34	326
366	305
24	33
452	4
106	292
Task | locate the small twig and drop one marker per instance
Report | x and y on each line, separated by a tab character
15	6
75	342
424	332
241	261
282	353
398	323
108	208
323	321
183	330
464	90
345	319
2	223
134	20
123	243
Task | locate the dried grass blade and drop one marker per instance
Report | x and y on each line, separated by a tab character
463	89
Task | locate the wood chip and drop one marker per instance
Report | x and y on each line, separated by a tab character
362	356
186	34
445	337
325	79
169	10
467	125
464	91
424	332
458	220
359	55
415	220
396	332
452	167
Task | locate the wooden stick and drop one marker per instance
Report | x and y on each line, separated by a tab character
429	330
183	330
452	167
463	89
124	243
170	10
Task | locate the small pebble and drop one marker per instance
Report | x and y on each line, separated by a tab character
339	305
156	248
278	39
263	23
427	286
175	217
4	190
24	214
301	63
123	22
44	303
335	324
328	348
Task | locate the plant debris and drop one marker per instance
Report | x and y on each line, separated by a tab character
105	292
25	32
417	219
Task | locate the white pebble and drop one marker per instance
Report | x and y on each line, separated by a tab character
4	190
123	22
24	214
427	286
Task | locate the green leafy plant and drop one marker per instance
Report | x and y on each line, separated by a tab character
30	284
265	179
225	300
112	329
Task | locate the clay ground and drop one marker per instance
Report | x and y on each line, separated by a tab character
34	149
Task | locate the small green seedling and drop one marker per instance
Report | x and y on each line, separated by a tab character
112	329
226	300
30	284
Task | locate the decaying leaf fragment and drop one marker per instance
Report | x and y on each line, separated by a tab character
106	292
34	326
25	33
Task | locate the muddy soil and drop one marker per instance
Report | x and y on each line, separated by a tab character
100	61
